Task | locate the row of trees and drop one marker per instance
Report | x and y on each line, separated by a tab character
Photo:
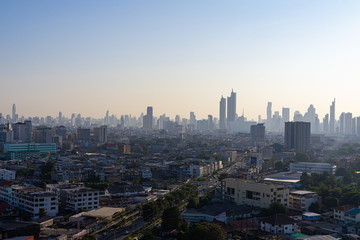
339	189
175	198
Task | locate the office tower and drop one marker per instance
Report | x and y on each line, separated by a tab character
210	122
148	119
332	117
28	131
353	126
342	123
269	112
43	134
83	134
286	114
257	135
298	116
100	133
297	136
231	107
22	131
358	126
60	118
193	120
61	131
222	116
310	116
326	123
177	119
122	122
14	113
348	123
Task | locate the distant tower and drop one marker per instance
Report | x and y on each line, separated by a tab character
148	119
269	112
231	107
14	113
222	124
257	133
332	117
286	114
297	136
326	123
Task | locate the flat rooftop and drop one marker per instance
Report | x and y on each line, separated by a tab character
103	212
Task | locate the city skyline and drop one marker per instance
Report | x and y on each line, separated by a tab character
122	56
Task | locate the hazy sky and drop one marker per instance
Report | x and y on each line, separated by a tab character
88	56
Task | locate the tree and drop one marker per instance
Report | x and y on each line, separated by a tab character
278	147
192	203
305	179
280	166
277	207
315	207
170	219
205	231
302	157
331	201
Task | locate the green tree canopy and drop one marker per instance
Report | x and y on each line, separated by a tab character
170	219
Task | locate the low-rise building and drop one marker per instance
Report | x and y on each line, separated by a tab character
352	216
7	174
339	212
75	197
253	193
311	167
34	201
278	224
301	200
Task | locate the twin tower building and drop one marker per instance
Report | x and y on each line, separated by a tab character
231	110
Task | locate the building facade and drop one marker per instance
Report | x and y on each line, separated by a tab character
253	193
297	136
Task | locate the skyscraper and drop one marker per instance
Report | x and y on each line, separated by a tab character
148	119
286	114
326	123
332	117
13	117
231	107
269	112
222	124
257	135
297	136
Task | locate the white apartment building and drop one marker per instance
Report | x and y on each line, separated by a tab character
253	193
301	200
34	201
339	212
278	224
75	197
7	174
311	167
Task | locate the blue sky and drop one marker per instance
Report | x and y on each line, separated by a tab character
179	56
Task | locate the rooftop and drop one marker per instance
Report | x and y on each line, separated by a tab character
354	211
278	219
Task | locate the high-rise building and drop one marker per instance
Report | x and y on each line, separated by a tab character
43	134
358	126
326	123
332	117
269	112
210	123
258	135
286	114
100	133
348	123
83	134
14	113
231	107
222	116
148	119
297	136
193	120
342	123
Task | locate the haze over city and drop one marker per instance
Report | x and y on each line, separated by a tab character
90	56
